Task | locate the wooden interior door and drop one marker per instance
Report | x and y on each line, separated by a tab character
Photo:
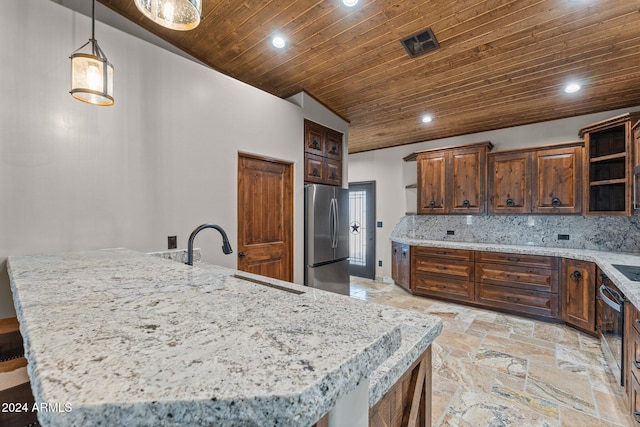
265	217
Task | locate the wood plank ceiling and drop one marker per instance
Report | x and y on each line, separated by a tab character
501	63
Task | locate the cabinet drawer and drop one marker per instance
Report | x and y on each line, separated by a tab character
520	259
532	278
460	290
635	399
634	354
442	267
634	319
518	300
461	254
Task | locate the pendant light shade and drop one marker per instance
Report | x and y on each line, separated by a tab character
92	73
179	15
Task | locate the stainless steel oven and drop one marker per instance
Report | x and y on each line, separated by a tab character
610	323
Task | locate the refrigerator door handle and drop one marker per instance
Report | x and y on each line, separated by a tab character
332	223
337	226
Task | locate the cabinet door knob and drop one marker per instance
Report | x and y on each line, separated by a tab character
315	172
510	203
395	250
432	204
576	275
241	255
334	175
315	143
334	149
466	203
555	202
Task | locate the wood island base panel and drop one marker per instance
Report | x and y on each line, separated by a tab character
126	338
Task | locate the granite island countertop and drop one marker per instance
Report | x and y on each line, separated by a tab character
604	260
132	339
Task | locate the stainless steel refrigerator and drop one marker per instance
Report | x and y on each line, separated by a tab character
326	238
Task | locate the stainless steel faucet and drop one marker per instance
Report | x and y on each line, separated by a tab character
226	246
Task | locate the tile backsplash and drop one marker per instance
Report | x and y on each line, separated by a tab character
620	234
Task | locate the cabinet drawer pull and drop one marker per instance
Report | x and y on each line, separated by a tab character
516	299
513	259
441	267
513	276
636	363
441	252
636	416
441	286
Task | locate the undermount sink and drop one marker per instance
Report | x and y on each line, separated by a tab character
631	272
270	285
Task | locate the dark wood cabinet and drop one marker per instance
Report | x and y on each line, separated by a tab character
453	180
401	265
636	168
579	294
632	358
431	182
444	273
557	181
608	171
508	182
539	180
322	154
525	284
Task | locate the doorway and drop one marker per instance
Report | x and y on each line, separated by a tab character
265	217
362	229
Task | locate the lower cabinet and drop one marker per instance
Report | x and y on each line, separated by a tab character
632	358
443	273
579	294
401	265
408	401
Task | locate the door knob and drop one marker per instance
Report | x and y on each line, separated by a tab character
241	255
576	275
555	202
510	203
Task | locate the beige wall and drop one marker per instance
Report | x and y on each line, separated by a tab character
158	163
392	174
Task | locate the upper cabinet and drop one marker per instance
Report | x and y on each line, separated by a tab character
608	171
322	154
636	168
452	180
539	180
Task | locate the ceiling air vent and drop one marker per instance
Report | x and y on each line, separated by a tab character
420	43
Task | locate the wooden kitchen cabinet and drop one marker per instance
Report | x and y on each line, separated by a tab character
636	168
579	294
443	273
508	182
557	180
322	154
539	180
608	171
631	359
401	265
452	180
524	284
431	182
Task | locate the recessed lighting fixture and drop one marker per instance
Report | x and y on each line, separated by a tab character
350	3
572	88
279	42
426	119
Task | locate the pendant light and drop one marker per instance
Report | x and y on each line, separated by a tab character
179	15
92	74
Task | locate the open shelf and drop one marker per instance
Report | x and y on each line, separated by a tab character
608	182
620	156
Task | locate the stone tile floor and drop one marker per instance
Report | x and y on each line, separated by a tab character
494	369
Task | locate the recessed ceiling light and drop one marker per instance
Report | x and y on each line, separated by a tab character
572	88
349	3
279	42
427	119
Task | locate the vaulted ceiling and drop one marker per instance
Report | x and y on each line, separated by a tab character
500	63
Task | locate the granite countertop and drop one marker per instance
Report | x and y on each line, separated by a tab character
604	260
132	339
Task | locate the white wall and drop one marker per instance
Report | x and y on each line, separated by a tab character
159	162
392	174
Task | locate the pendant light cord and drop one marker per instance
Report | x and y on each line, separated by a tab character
93	27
